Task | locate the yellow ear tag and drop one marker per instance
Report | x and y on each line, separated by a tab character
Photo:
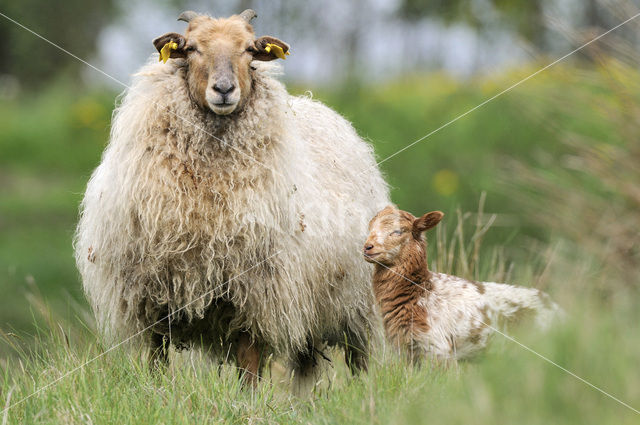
277	50
165	52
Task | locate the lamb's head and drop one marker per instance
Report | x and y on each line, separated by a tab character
218	55
393	233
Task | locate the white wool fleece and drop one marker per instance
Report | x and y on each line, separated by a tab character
173	212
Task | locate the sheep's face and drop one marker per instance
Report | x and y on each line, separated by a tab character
218	54
393	232
218	57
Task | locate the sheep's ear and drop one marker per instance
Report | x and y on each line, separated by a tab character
170	45
427	221
269	48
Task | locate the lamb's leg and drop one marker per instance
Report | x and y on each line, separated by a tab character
305	372
159	356
356	352
249	359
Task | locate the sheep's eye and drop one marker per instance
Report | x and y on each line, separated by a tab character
251	50
396	233
190	49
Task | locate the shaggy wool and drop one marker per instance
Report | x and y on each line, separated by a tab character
185	200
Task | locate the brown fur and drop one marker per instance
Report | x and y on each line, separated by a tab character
249	359
522	314
221	43
91	256
479	286
440	315
401	281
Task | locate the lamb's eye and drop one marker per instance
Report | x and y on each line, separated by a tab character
190	49
396	233
251	50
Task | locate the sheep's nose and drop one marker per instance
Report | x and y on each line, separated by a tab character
368	247
224	87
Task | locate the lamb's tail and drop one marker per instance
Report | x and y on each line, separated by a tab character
518	304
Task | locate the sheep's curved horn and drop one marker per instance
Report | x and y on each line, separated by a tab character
187	16
248	15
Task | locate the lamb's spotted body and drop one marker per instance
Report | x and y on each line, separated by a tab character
436	314
461	314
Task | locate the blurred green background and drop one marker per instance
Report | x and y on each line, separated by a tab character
556	156
55	115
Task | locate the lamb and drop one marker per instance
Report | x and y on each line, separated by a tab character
435	315
212	204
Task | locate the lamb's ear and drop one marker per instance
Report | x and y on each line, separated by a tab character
427	221
170	45
270	48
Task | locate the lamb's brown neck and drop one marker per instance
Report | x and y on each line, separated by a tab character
398	289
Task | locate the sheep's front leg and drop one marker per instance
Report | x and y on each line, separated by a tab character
306	372
159	356
356	350
249	359
357	357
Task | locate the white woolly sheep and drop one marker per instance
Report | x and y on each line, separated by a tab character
214	201
434	314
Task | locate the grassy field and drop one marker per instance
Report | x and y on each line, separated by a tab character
557	159
507	385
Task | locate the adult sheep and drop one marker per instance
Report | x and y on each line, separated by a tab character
231	206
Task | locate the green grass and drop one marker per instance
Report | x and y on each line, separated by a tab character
566	222
505	385
84	381
48	146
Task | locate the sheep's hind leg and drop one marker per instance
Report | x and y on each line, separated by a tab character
249	359
159	355
356	353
